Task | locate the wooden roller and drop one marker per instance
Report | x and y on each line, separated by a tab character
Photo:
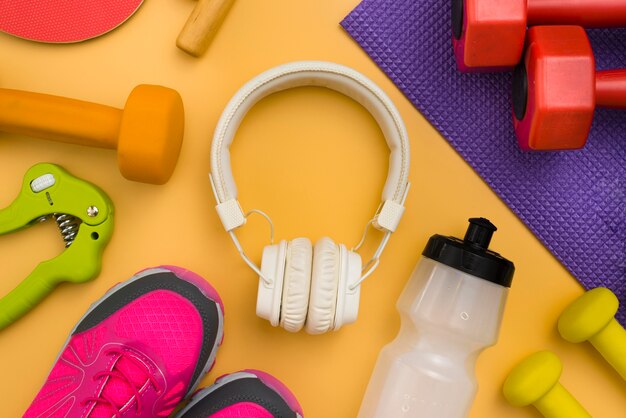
202	25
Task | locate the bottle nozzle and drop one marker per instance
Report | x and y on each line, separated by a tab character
479	232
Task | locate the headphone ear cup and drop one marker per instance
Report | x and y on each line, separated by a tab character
324	281
296	285
347	299
269	296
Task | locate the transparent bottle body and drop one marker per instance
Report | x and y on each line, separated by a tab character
447	318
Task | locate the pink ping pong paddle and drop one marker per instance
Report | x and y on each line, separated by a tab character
63	21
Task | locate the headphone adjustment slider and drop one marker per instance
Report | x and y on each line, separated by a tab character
231	214
388	217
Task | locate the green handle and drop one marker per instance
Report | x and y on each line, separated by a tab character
81	261
68	194
25	296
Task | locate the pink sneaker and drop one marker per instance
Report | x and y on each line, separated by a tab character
138	351
245	394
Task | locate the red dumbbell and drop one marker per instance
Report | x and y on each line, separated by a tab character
556	88
489	34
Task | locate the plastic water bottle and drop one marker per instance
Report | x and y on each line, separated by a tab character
451	309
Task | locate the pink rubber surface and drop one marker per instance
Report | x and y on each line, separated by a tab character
63	21
243	410
150	346
280	388
161	328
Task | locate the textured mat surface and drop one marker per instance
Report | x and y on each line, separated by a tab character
575	202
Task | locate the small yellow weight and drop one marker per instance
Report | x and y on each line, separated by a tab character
535	381
591	318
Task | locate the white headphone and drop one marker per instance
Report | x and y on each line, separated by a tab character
301	285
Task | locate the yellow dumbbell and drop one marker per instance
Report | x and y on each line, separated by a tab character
592	317
535	381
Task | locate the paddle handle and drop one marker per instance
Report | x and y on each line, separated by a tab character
202	25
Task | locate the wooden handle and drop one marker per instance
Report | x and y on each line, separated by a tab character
202	25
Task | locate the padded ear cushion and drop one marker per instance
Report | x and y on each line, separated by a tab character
269	295
324	282
347	297
296	284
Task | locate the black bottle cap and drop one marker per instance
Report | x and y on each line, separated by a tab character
471	255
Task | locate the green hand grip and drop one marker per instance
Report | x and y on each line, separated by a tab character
591	318
49	190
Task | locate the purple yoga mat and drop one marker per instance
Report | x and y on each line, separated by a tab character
575	201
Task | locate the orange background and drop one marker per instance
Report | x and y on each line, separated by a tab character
315	161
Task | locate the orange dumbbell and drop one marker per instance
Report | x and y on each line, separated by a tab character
147	133
556	89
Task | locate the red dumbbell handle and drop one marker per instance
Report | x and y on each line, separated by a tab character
611	88
586	13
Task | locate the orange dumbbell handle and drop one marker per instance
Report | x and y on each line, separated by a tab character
59	119
202	25
611	88
586	13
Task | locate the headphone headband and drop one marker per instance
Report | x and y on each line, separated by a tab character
335	77
312	73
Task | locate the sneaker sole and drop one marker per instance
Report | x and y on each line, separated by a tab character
268	380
